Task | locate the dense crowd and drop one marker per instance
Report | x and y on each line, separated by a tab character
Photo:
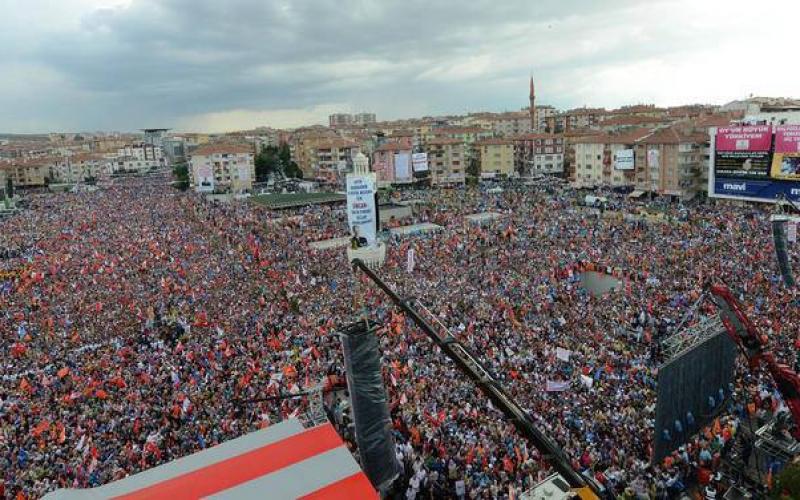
144	320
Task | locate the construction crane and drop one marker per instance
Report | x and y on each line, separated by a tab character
585	487
754	347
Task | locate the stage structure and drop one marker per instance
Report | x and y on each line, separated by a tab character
694	383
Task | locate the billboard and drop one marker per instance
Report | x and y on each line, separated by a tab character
204	178
786	160
743	152
755	163
402	166
420	162
244	172
624	159
361	214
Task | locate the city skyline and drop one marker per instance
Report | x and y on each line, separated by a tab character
201	66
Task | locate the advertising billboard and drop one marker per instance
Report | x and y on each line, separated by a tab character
420	162
402	167
743	152
755	163
786	160
624	159
361	214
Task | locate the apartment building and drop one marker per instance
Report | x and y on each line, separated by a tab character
574	119
670	162
79	168
30	172
223	167
138	157
598	159
495	157
446	160
539	154
334	157
303	143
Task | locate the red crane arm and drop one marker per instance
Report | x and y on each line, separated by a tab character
754	346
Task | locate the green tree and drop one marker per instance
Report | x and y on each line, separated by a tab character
267	162
9	187
292	170
181	174
473	168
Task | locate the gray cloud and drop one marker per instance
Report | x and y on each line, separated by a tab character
165	61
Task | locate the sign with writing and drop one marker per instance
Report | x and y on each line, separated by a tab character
204	178
786	161
624	159
420	162
743	152
361	216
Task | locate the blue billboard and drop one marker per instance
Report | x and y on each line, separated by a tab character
742	166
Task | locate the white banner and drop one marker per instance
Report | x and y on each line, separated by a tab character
587	381
420	162
563	354
204	179
623	159
653	158
557	385
791	235
361	206
402	166
410	263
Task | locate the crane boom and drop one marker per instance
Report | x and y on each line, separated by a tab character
588	488
754	346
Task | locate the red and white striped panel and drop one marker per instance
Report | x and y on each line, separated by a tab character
284	461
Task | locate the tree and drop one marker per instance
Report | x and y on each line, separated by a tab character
181	173
473	168
267	162
292	170
9	187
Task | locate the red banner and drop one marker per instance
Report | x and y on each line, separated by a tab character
755	138
787	139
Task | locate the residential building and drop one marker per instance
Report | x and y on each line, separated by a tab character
233	166
364	118
446	160
138	157
575	119
333	158
508	124
79	168
539	154
594	159
541	114
30	172
466	135
619	122
340	119
670	162
303	143
495	157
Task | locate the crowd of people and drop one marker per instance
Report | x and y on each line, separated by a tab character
138	324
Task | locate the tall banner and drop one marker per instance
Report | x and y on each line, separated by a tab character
653	158
361	215
402	166
420	162
204	179
624	159
786	161
743	152
410	263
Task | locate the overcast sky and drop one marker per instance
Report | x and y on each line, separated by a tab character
219	65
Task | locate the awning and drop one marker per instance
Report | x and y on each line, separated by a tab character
636	194
282	461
